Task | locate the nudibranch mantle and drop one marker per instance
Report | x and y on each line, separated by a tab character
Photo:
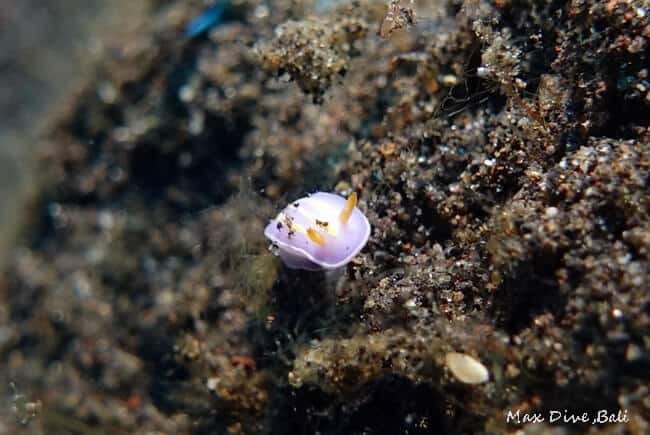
320	231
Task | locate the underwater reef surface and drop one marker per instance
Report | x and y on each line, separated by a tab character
500	150
45	47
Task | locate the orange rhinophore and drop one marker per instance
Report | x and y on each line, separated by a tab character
315	236
349	206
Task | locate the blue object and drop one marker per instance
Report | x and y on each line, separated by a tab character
206	19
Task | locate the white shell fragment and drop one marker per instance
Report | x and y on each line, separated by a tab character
466	369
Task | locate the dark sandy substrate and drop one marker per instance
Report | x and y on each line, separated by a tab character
499	149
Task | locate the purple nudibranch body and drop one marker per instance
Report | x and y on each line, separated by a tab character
321	231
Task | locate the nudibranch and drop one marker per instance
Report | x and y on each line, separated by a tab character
321	231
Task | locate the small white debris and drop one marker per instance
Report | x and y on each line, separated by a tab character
212	384
411	303
186	93
466	369
105	220
633	352
482	71
448	80
261	12
551	212
107	92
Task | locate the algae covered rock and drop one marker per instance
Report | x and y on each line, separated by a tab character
313	52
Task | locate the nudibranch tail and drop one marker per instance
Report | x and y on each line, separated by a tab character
348	208
315	236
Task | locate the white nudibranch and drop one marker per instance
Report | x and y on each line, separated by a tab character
320	231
